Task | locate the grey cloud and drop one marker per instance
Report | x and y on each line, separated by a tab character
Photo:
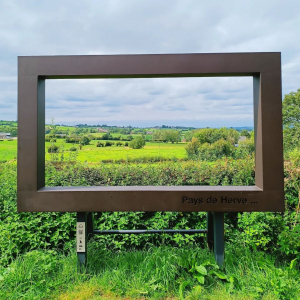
133	26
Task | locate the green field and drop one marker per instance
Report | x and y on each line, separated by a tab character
8	150
92	154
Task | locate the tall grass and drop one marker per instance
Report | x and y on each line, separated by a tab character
155	273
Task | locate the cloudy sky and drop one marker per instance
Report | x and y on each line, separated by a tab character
147	26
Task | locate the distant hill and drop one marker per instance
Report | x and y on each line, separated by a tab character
10	125
241	128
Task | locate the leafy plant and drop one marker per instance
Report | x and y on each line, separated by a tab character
137	143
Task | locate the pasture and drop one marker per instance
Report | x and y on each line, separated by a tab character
8	150
92	154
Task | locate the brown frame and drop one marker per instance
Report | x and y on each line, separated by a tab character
266	195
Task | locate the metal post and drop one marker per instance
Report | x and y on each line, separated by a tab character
90	223
218	223
81	238
210	230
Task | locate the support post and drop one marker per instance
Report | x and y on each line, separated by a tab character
81	238
210	230
218	224
90	224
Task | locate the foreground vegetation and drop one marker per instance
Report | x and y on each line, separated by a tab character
37	250
155	273
38	259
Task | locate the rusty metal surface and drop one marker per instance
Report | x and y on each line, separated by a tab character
266	195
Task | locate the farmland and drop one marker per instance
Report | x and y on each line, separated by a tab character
92	154
8	150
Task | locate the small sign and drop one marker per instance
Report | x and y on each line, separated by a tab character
80	236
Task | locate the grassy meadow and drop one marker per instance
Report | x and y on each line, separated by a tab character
8	150
92	154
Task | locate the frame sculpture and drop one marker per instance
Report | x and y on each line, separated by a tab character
266	195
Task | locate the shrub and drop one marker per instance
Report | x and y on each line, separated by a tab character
50	140
73	149
53	149
222	148
73	139
126	144
192	148
119	144
99	144
137	143
244	149
106	136
210	152
108	144
85	141
273	232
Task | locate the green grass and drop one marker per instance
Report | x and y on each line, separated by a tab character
92	154
153	273
11	123
8	150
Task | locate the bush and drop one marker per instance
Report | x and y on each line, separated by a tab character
119	144
85	141
99	144
106	136
50	140
273	232
245	148
210	152
137	143
53	149
222	148
108	144
73	149
126	144
192	148
20	232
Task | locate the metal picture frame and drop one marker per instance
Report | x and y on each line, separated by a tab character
266	195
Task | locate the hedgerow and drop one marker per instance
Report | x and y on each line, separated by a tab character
276	232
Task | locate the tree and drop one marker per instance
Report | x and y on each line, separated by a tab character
172	136
192	148
157	135
137	143
211	135
291	120
188	136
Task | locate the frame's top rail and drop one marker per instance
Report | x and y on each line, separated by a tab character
150	65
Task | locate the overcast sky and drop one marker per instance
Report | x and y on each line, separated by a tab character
141	27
